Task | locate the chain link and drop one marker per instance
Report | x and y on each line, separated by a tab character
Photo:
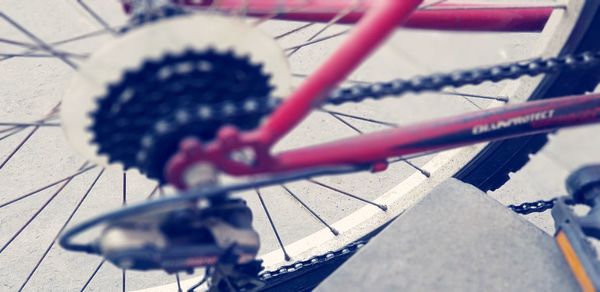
533	207
311	262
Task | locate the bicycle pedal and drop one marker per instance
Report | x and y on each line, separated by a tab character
572	231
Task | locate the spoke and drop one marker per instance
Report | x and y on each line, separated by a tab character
405	159
123	280
414	156
66	41
36	127
124	188
421	170
409	163
97	17
470	101
18	43
380	206
154	191
89	280
85	195
429	5
41	124
456	93
333	21
34	47
264	206
41	44
275	14
346	123
52	116
340	114
123	271
333	230
68	178
295	30
16	149
60	189
83	36
26	55
318	40
12	130
178	282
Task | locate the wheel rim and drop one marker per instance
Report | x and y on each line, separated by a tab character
363	219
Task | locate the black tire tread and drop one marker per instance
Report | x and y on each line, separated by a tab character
491	168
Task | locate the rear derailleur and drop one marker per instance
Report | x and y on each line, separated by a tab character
216	234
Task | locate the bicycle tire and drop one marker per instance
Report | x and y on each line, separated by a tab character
491	167
489	156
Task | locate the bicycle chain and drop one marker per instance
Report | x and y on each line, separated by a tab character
358	93
379	90
435	82
523	209
246	107
460	78
533	207
312	262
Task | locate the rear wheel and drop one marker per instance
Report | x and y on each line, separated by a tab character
491	168
296	222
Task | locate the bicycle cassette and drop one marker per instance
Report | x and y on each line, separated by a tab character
116	64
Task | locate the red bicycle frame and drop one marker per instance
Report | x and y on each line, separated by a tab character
372	29
443	16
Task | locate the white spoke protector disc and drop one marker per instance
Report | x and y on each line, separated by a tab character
151	42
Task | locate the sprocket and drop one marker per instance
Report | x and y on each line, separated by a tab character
166	73
144	116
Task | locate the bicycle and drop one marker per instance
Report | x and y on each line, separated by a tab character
245	154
